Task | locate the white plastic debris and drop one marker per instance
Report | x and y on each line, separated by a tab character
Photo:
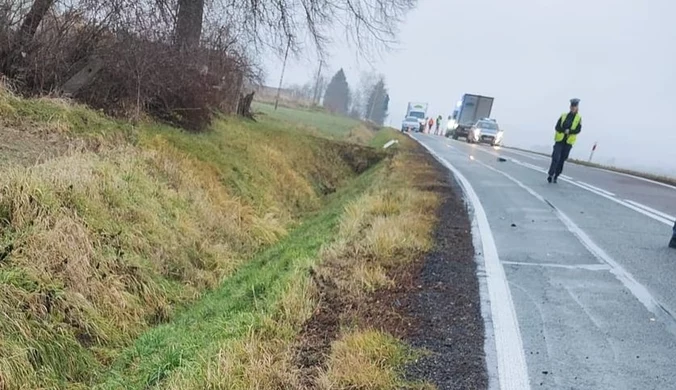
390	143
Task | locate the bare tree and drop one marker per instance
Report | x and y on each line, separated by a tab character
13	51
370	24
189	23
121	55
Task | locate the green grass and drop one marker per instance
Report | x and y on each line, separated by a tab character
50	115
100	245
387	134
238	305
327	124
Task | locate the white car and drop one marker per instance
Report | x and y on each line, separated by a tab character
411	123
486	131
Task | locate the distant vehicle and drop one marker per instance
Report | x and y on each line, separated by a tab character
417	110
467	112
411	123
486	131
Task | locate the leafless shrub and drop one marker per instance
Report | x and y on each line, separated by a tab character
121	56
177	60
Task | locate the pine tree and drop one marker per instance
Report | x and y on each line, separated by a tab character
337	96
378	103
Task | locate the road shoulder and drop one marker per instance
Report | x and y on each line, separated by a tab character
446	303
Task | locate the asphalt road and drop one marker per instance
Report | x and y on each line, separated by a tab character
579	280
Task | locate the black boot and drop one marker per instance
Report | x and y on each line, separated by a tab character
556	177
672	243
549	179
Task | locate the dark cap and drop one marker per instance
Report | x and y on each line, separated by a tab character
574	102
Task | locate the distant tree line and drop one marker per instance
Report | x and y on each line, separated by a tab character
368	101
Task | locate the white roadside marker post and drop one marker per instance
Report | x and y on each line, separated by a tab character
592	151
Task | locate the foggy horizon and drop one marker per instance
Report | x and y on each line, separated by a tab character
532	57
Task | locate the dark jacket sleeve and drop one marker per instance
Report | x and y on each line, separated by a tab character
558	127
578	130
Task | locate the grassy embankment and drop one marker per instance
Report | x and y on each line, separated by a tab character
151	257
259	340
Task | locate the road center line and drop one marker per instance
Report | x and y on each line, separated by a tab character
640	208
652	210
639	291
512	368
595	188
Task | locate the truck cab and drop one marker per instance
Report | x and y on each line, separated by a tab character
416	110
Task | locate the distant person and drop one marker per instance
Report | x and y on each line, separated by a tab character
430	123
439	119
672	243
567	128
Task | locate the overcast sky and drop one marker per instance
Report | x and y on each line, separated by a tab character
617	56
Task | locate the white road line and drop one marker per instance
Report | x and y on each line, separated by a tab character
589	267
645	210
637	289
595	188
652	210
525	154
512	368
625	204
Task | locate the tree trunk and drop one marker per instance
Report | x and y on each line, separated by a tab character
25	34
189	23
244	106
32	21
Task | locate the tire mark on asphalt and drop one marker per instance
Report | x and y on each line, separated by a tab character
597	324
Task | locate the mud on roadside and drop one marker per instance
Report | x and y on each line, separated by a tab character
433	304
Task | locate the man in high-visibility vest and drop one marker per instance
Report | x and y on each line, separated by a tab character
567	128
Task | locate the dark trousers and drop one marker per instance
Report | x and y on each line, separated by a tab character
673	231
559	156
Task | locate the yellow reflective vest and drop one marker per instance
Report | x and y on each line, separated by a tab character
558	137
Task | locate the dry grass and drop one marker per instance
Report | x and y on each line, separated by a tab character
96	247
365	359
386	227
389	227
105	249
102	243
360	135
